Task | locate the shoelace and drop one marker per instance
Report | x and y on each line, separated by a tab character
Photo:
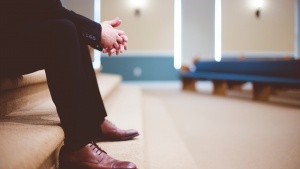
98	149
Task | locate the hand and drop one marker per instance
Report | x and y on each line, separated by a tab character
122	43
123	46
116	22
111	37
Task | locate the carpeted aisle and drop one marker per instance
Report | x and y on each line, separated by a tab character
164	148
233	133
124	108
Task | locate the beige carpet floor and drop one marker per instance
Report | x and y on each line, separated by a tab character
124	108
235	132
164	147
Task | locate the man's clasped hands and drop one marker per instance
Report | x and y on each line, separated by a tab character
112	39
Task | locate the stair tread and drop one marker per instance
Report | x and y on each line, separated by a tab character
28	138
31	134
124	108
164	146
21	81
11	100
108	82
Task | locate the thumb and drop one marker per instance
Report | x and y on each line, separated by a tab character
115	22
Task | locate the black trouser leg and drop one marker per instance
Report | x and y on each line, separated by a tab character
90	72
55	47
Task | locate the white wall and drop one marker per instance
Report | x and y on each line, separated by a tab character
151	31
83	7
197	29
273	32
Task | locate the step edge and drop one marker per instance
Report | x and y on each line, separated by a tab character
21	81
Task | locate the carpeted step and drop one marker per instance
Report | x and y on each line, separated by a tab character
29	139
124	108
21	81
20	91
165	148
26	90
31	136
108	83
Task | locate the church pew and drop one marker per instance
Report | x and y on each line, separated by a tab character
265	75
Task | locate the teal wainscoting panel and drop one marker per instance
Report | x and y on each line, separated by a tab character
143	68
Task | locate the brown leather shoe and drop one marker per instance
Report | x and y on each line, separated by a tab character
112	133
90	157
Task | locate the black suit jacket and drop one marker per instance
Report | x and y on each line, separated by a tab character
15	12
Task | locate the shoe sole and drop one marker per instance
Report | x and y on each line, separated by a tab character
122	139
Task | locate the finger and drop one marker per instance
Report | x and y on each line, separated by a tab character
115	22
125	46
106	50
116	45
117	52
121	48
120	39
109	47
125	38
120	32
111	51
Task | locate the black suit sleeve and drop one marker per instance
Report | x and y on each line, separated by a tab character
18	11
89	31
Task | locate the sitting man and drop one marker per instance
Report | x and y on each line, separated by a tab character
42	34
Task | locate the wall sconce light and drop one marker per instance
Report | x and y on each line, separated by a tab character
137	12
137	5
257	13
258	5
